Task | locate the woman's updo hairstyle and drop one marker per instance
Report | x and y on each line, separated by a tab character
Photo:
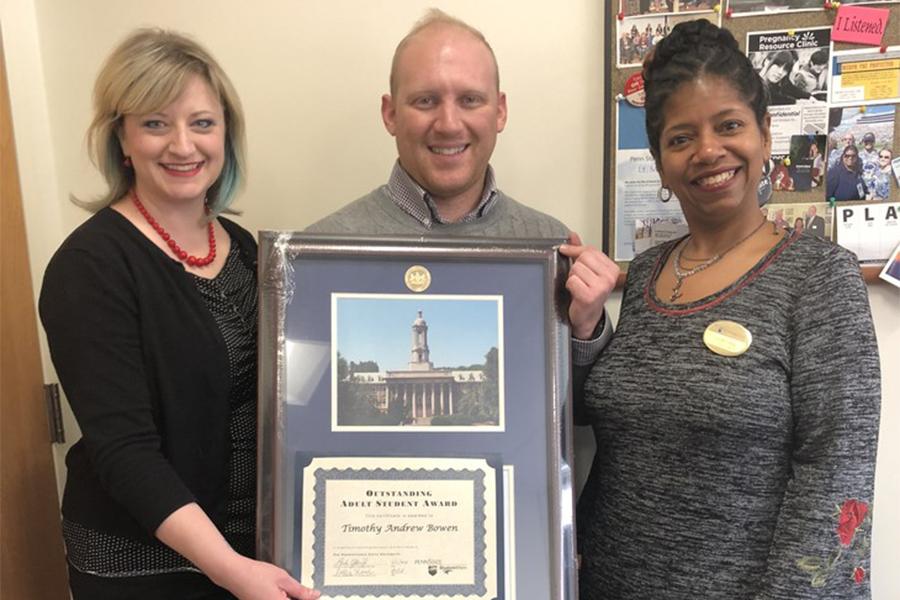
692	49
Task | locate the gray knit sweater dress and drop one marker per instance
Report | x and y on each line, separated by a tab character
742	477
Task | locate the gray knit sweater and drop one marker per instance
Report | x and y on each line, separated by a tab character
377	214
735	478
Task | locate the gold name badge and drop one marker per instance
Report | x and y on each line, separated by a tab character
417	278
727	338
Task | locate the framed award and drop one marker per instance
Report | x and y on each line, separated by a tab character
414	417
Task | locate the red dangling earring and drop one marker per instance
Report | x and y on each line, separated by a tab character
127	162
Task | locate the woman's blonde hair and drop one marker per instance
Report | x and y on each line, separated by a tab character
146	72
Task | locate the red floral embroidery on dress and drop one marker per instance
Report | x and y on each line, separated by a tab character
853	545
853	512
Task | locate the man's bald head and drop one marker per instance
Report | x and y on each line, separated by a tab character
438	19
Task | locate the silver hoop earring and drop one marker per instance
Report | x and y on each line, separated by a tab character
663	194
764	189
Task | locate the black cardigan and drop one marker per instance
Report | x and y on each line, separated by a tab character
145	369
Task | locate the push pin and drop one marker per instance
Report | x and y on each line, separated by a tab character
827	5
786	162
862	109
717	8
883	49
791	32
728	12
832	201
621	15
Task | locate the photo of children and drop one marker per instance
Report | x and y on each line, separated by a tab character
637	36
860	152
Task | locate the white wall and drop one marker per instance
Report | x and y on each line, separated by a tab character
311	74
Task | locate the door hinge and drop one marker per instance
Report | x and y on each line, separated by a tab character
54	413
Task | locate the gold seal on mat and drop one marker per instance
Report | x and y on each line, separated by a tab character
727	338
417	278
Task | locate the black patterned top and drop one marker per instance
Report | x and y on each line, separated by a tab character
231	298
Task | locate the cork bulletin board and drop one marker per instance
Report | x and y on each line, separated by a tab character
814	106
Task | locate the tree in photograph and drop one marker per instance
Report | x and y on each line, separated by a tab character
491	386
354	408
342	369
477	402
364	366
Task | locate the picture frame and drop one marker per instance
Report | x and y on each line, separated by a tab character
415	417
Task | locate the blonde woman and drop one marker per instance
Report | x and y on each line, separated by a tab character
150	311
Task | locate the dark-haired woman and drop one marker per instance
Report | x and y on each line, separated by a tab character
736	408
845	181
775	75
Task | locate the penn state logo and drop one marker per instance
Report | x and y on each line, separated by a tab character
417	278
432	570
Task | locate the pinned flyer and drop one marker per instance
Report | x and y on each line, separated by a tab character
866	75
860	25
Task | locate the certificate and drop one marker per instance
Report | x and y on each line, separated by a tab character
398	527
414	417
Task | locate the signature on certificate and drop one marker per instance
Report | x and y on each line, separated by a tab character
353	567
398	566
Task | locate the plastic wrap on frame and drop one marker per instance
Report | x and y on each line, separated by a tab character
279	275
276	282
279	281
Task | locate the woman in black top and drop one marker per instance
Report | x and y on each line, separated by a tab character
150	312
844	181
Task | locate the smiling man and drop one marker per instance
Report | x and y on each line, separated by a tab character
445	109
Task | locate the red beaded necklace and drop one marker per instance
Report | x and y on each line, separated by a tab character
176	249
